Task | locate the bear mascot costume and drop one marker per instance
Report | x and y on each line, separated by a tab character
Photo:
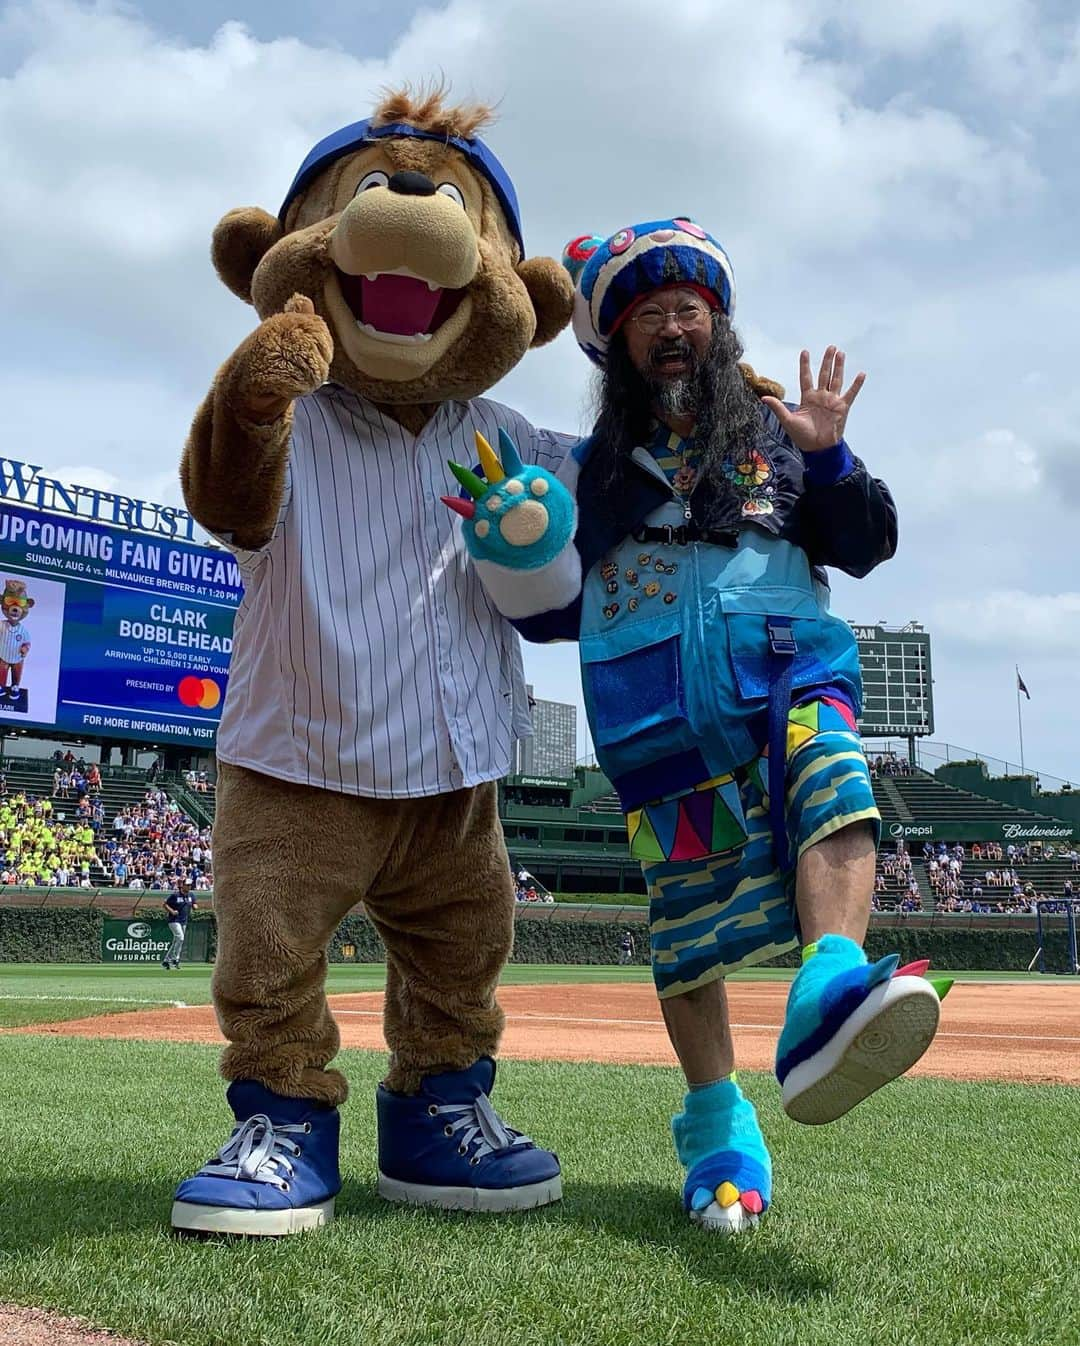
375	692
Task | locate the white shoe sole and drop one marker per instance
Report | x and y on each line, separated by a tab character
488	1199
882	1039
719	1219
257	1223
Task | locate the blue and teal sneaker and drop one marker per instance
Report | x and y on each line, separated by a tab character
729	1173
851	1026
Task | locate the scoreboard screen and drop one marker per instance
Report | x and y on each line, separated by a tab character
897	695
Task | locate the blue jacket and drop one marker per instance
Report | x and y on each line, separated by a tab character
677	662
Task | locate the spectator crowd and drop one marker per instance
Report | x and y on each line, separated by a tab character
59	842
983	877
155	845
525	889
888	764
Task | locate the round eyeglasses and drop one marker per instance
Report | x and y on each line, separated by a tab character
689	317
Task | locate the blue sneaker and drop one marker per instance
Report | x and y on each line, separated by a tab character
850	1027
276	1174
447	1146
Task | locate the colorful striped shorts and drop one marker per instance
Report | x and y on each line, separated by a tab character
714	915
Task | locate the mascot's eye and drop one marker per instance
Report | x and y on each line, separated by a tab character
369	180
448	189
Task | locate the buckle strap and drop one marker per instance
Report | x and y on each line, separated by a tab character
782	650
781	636
685	533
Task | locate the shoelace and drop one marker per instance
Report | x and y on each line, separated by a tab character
258	1151
480	1125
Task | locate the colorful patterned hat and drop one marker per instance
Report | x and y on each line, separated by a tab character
612	274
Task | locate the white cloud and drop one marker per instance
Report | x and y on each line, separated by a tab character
1038	625
1013	48
977	472
899	225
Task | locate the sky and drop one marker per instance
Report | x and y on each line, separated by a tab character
899	180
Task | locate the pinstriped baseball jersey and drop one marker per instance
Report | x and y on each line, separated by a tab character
11	638
367	657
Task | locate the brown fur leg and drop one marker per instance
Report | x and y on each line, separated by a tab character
448	925
289	862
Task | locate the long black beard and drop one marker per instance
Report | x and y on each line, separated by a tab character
727	416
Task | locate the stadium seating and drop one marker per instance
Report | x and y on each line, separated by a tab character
584	848
924	797
121	790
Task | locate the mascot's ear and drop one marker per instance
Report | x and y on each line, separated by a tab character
758	383
241	240
552	293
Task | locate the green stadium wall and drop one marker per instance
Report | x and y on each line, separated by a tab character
73	935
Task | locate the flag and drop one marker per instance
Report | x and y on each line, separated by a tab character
1020	685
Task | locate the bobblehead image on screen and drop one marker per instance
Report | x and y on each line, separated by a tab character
31	632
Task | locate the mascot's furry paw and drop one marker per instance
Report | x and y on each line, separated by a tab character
851	1027
286	357
520	517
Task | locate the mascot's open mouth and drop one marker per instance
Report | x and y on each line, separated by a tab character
397	306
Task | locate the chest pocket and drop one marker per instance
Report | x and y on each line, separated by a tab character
633	680
636	698
820	655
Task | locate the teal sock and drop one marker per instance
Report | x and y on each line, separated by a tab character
717	1117
828	955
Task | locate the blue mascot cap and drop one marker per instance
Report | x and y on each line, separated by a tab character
353	137
612	274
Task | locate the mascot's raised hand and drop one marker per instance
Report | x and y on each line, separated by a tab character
286	357
243	428
520	517
519	529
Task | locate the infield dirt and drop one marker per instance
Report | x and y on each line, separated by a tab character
1018	1032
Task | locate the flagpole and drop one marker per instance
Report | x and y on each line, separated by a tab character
1019	719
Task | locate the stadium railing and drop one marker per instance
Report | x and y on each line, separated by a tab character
128	901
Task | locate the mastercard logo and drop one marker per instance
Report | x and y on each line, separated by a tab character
201	692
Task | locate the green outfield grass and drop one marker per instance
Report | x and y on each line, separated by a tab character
42	993
936	1213
51	992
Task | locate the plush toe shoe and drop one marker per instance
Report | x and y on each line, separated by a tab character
718	1204
729	1173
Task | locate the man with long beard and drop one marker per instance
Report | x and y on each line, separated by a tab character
722	694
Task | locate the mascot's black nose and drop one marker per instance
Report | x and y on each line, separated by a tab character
411	184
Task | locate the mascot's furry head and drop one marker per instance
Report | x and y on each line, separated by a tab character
404	232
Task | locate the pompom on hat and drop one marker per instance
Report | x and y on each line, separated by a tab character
612	274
